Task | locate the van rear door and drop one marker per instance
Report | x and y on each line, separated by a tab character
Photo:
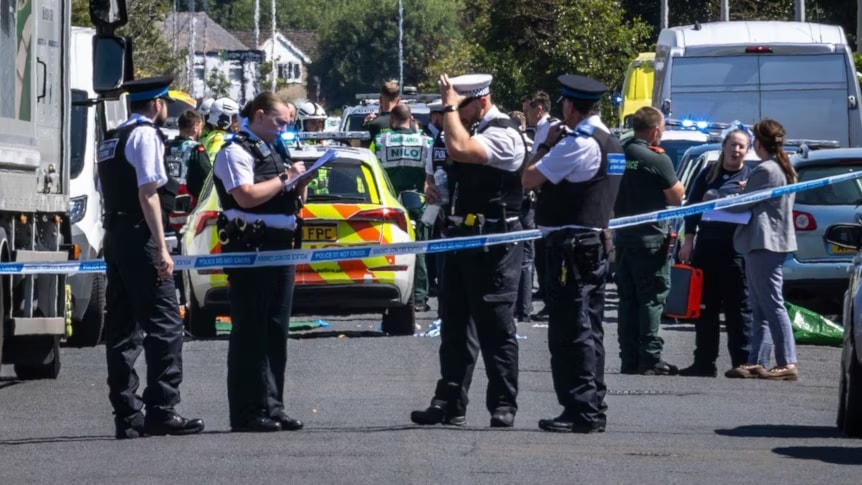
804	92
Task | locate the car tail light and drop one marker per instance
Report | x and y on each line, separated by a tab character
386	214
758	49
206	219
804	221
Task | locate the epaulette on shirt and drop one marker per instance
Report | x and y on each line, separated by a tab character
656	149
585	130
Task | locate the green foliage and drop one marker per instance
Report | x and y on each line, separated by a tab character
151	55
218	84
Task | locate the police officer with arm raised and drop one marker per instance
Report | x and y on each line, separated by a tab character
141	294
251	173
479	285
579	167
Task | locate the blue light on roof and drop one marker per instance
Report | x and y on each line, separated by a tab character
702	125
288	136
687	123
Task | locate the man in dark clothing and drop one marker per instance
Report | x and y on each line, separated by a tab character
187	159
141	295
643	267
376	123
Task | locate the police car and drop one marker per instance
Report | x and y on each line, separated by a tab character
350	203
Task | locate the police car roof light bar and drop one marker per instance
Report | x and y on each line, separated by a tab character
333	135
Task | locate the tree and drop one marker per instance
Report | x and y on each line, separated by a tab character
151	53
218	84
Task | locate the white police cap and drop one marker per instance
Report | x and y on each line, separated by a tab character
472	85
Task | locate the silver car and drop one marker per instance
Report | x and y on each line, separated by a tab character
816	274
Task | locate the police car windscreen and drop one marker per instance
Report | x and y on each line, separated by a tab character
341	183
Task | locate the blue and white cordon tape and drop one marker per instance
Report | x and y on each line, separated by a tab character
301	256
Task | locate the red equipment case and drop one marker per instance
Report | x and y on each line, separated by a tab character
686	287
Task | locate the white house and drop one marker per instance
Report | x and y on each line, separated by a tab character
217	54
290	49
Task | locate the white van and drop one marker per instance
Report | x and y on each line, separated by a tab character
85	212
800	74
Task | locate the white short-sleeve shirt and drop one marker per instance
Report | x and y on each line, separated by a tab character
576	158
234	166
145	151
504	147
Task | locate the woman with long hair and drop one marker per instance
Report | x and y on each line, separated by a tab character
765	241
708	245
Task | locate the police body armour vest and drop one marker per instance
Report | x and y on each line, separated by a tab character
267	165
588	203
118	177
482	189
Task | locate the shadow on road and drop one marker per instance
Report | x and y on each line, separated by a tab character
55	439
8	382
836	455
781	431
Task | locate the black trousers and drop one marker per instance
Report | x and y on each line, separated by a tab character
724	289
524	303
142	314
479	291
576	298
261	300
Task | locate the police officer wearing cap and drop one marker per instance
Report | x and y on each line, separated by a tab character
643	266
479	285
141	294
578	167
253	176
436	159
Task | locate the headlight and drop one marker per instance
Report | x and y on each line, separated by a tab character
77	208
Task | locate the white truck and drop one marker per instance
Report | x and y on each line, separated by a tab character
35	151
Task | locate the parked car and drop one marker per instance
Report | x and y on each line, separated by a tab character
817	272
350	203
848	237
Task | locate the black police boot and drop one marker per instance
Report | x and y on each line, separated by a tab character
660	368
129	427
502	418
171	423
260	424
699	370
566	423
435	414
287	423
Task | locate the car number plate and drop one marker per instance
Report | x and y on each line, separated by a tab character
320	233
836	249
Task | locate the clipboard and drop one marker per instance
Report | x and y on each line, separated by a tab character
328	156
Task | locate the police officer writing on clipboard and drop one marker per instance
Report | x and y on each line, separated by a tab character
252	172
579	167
141	294
479	285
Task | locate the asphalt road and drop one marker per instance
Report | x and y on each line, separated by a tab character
355	389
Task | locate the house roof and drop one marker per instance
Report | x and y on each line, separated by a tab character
305	41
209	36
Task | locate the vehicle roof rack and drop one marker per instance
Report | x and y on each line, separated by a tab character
805	146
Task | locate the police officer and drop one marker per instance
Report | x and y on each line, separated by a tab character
479	285
436	159
141	295
402	152
252	172
390	97
643	266
578	166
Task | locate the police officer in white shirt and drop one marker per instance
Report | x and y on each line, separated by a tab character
479	285
252	173
141	294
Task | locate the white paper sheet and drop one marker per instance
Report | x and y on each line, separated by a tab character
328	156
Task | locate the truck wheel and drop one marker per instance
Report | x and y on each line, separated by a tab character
40	355
850	420
2	317
400	320
88	331
201	321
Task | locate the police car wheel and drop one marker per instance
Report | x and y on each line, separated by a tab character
849	420
400	320
201	322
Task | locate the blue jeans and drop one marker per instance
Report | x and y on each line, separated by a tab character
770	325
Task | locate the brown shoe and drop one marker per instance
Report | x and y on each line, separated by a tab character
783	373
745	371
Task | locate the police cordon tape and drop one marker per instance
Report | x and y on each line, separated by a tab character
304	256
